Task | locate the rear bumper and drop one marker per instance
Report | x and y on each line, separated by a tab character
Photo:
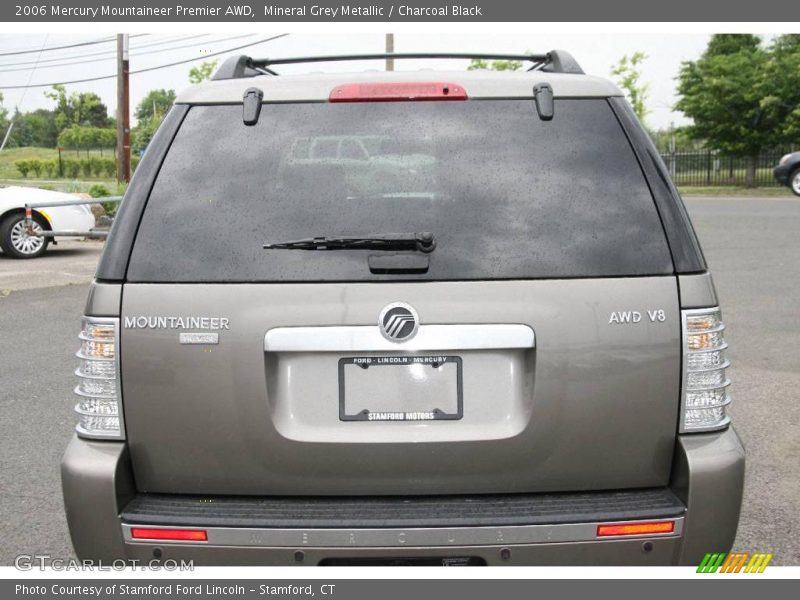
559	529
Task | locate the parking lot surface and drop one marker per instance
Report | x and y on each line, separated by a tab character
70	262
752	246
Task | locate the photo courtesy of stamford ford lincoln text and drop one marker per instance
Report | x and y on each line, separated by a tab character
390	289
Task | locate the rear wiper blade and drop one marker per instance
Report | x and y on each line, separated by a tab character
423	242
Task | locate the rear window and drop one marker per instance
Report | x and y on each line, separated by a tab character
507	195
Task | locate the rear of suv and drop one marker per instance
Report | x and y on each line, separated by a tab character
419	317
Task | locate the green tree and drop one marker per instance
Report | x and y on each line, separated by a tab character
742	97
143	133
149	113
675	138
203	71
36	128
78	108
494	65
154	105
628	75
782	102
87	138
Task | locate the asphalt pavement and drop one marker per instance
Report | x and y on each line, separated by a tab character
70	262
753	250
752	247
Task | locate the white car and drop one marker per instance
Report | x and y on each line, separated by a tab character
14	238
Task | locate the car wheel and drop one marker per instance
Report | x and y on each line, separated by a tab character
794	182
15	240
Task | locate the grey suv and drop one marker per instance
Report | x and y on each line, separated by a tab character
408	317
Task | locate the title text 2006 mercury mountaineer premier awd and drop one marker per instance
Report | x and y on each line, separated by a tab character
416	317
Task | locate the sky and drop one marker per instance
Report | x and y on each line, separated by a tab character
595	52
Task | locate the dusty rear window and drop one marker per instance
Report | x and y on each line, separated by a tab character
506	194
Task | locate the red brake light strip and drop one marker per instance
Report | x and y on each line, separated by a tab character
398	92
182	535
617	529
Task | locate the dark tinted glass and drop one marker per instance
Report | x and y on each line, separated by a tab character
506	194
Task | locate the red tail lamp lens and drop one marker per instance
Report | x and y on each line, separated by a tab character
635	528
181	535
397	92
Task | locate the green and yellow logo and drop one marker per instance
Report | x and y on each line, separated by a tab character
735	562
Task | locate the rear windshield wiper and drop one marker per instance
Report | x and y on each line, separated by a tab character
423	242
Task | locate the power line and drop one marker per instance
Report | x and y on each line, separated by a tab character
102	41
106	52
26	48
173	64
133	54
30	76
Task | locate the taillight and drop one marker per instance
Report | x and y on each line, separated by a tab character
99	406
402	91
705	363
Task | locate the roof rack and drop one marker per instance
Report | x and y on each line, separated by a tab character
236	67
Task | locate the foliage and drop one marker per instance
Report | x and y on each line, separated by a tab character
679	136
743	97
78	108
154	105
4	122
149	113
84	138
42	127
783	96
627	74
722	93
494	65
202	71
23	166
73	168
99	191
143	133
35	165
36	128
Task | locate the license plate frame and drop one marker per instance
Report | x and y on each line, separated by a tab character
435	413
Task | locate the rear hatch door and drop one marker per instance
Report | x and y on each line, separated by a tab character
545	351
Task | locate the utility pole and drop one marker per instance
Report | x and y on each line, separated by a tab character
123	111
389	50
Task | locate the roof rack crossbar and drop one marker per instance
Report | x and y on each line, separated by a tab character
265	62
555	61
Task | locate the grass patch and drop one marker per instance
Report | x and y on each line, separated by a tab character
9	156
759	192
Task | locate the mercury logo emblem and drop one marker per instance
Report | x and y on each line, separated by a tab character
398	322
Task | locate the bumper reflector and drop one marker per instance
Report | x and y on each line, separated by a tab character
181	535
635	528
